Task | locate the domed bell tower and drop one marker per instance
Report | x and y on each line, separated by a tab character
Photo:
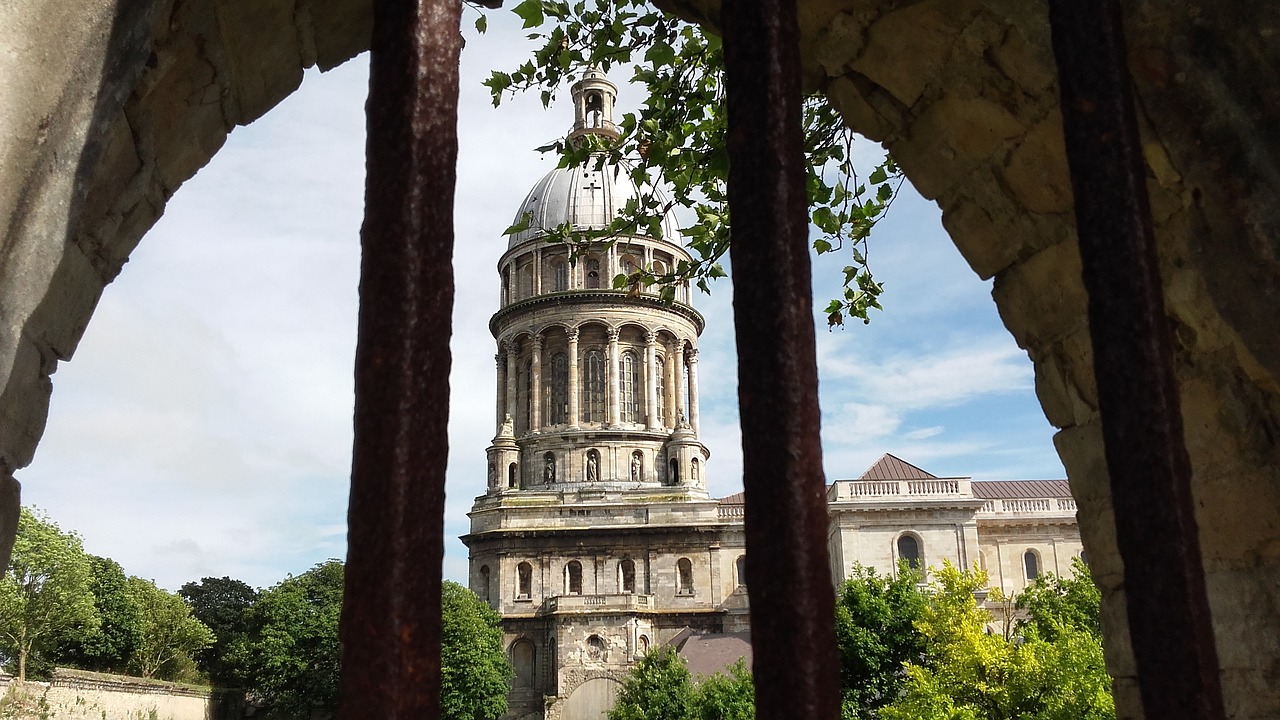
595	537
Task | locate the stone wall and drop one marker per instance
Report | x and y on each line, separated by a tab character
111	105
80	695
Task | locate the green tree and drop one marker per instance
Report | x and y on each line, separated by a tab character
677	140
726	696
168	635
225	606
876	636
971	674
1052	603
46	595
109	647
474	671
658	688
295	641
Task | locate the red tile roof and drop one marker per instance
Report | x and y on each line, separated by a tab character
889	467
738	498
993	489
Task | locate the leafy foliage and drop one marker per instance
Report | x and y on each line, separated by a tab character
108	647
474	671
677	140
1053	604
876	636
658	688
224	606
295	641
168	635
729	696
46	595
968	673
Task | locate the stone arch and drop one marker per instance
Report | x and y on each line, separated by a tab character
970	115
592	700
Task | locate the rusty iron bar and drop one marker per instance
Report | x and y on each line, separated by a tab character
792	601
395	522
1169	620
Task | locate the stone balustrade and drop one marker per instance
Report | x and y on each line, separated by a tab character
622	602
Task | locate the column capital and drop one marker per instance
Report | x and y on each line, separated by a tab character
650	337
612	334
572	334
537	341
693	354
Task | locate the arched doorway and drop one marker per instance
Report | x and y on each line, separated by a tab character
592	700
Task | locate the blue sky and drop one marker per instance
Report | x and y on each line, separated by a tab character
203	427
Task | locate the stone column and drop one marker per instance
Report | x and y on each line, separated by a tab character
574	417
535	385
678	371
500	397
669	385
513	377
693	389
615	416
651	380
537	272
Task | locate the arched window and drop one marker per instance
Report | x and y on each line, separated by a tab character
524	660
573	578
909	551
741	566
593	387
506	289
511	476
674	476
627	576
684	577
484	583
558	407
524	581
559	275
642	645
630	389
1031	563
593	273
660	372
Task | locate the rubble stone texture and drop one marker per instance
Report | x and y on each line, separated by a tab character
110	106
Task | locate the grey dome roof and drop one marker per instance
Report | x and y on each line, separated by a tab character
583	197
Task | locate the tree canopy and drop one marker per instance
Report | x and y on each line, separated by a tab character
46	594
474	672
224	605
971	674
876	636
168	635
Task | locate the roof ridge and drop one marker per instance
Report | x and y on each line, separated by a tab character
892	467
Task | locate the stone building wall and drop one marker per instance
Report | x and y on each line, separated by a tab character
80	695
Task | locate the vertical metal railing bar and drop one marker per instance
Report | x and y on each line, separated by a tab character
792	600
1169	621
395	522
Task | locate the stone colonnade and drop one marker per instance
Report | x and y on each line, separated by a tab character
662	381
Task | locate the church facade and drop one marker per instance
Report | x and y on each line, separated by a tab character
596	538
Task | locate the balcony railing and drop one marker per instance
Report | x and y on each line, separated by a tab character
621	602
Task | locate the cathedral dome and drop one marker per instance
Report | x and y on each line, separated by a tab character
585	197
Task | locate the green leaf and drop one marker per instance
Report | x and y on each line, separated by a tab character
482	23
877	176
530	11
822	246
